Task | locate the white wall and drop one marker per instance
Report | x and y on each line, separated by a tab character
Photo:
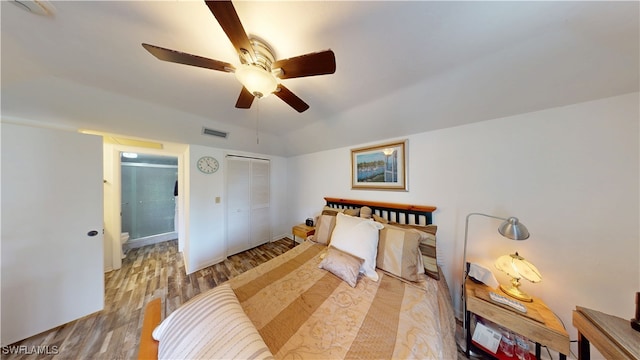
571	174
205	243
206	224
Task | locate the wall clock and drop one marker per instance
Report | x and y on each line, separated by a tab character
208	164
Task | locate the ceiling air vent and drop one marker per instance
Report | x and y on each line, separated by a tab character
212	132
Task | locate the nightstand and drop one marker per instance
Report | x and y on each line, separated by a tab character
539	324
611	335
302	231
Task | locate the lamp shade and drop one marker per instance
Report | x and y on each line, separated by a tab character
517	267
513	229
256	80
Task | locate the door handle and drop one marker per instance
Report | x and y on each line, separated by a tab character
92	233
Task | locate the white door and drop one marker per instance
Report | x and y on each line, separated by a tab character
260	217
52	237
238	205
248	203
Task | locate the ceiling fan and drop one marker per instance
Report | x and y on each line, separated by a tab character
258	71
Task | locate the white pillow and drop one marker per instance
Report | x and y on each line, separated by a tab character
212	325
358	237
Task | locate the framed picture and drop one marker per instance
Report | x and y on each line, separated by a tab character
382	167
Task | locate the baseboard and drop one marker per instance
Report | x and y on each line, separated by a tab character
207	264
278	237
149	240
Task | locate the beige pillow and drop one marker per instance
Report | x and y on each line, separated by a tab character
379	219
431	229
324	228
427	247
342	264
352	212
399	252
365	212
429	256
328	210
325	234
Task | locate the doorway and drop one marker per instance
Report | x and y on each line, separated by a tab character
148	199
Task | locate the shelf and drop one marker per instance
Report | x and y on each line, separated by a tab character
539	324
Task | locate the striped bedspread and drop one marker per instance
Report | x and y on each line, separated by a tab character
302	311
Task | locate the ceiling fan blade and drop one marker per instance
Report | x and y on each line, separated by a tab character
290	98
228	19
187	59
245	99
318	63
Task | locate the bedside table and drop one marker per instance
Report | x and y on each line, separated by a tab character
302	230
538	324
611	335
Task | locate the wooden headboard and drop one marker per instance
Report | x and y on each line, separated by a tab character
400	213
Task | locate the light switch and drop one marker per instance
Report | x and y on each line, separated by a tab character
217	199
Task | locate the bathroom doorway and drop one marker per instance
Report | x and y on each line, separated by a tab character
148	193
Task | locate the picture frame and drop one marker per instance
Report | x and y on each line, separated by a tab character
380	167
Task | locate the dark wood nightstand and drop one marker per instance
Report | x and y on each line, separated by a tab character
539	324
302	230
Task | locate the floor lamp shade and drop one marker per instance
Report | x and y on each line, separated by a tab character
513	229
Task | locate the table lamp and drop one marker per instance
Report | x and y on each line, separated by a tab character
517	267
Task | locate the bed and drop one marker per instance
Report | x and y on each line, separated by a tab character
326	298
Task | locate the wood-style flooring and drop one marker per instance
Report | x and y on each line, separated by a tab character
147	273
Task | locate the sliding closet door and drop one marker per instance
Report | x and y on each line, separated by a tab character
260	233
247	203
238	204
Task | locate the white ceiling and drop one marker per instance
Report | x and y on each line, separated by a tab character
402	67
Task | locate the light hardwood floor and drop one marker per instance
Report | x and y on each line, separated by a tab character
147	273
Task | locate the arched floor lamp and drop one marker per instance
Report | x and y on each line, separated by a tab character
511	228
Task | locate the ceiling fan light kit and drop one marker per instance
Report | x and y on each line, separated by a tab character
258	81
258	71
258	77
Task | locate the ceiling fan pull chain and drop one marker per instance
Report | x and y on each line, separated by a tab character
257	118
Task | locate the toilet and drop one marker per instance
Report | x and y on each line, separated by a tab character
124	237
